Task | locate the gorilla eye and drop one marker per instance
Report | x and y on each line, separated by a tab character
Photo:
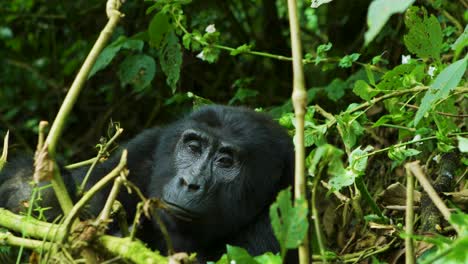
194	146
225	161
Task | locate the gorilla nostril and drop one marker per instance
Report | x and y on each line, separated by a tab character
182	182
193	187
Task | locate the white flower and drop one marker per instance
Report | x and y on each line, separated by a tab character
210	29
233	262
201	56
417	138
405	59
431	71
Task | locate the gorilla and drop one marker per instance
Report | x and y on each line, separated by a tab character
218	170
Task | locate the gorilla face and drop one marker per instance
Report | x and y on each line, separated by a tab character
225	167
203	163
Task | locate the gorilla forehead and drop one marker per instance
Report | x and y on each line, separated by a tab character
240	126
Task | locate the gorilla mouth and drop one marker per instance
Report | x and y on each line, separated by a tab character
180	212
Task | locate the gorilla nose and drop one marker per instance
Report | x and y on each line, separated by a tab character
193	187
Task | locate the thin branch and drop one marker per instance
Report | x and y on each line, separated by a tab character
101	152
37	245
417	171
3	158
437	112
72	95
80	164
409	247
92	191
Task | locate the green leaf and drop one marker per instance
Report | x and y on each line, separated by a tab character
108	54
357	160
198	100
170	58
137	70
462	144
335	90
157	29
445	82
400	154
317	3
269	258
378	14
393	79
209	54
424	37
289	222
461	42
347	61
242	94
239	255
349	129
5	33
342	177
322	52
364	90
241	49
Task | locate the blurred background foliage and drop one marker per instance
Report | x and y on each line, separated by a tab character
43	43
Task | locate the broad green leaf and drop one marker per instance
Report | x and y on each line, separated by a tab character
364	90
445	82
424	37
289	222
462	144
379	12
137	70
336	89
269	258
239	255
108	54
157	29
171	60
461	42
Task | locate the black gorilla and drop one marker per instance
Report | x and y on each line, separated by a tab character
218	170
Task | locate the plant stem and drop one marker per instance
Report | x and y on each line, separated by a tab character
299	99
417	171
409	247
70	99
92	191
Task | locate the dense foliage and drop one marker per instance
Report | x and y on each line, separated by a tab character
386	86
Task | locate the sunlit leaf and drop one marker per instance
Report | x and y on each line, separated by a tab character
445	82
379	12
